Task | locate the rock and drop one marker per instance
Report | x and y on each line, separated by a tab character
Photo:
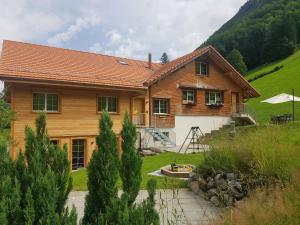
220	183
227	200
194	186
212	192
202	184
230	176
147	153
218	176
233	192
215	200
238	186
210	184
156	150
194	176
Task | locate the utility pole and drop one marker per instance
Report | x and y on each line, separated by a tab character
293	104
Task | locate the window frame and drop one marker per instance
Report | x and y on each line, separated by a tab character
45	110
106	98
187	101
167	108
200	69
215	103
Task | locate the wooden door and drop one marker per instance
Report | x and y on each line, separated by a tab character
234	102
138	106
138	111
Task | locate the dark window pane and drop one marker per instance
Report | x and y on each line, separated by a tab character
77	154
156	106
38	102
54	142
52	102
203	69
198	68
112	104
102	104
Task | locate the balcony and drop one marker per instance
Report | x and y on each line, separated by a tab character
138	119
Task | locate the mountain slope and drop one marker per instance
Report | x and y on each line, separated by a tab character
281	81
262	30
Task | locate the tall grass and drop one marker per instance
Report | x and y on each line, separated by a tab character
271	151
272	206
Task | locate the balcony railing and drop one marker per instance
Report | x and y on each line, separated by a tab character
138	119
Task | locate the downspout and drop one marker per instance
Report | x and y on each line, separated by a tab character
150	106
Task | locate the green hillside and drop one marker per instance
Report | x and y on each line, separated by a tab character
281	81
262	31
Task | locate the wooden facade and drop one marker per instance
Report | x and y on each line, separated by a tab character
78	117
172	86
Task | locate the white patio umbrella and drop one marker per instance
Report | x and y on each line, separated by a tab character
281	98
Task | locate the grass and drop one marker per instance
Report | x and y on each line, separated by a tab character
282	81
150	164
269	150
272	151
268	206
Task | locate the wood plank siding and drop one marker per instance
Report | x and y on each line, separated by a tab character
171	88
77	117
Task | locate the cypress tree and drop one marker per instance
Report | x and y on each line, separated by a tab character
131	163
103	173
29	213
45	175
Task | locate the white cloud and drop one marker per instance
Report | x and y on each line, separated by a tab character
130	48
114	37
128	27
79	25
20	21
96	48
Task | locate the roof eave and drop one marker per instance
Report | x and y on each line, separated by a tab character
71	84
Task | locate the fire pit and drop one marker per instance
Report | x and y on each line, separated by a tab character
177	170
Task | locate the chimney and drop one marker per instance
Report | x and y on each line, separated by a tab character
149	61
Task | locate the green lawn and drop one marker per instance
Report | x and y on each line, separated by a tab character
282	81
150	164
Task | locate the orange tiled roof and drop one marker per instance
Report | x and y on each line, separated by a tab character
43	63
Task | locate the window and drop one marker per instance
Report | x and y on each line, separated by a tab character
78	147
45	102
161	106
201	68
107	103
54	142
213	98
188	97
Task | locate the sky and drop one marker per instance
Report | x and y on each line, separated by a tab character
125	28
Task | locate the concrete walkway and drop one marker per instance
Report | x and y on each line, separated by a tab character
181	205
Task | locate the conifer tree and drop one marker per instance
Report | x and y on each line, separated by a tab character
237	61
29	213
103	173
131	163
45	175
164	58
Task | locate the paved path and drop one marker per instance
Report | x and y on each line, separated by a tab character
182	206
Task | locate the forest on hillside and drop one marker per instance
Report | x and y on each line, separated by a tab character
262	31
